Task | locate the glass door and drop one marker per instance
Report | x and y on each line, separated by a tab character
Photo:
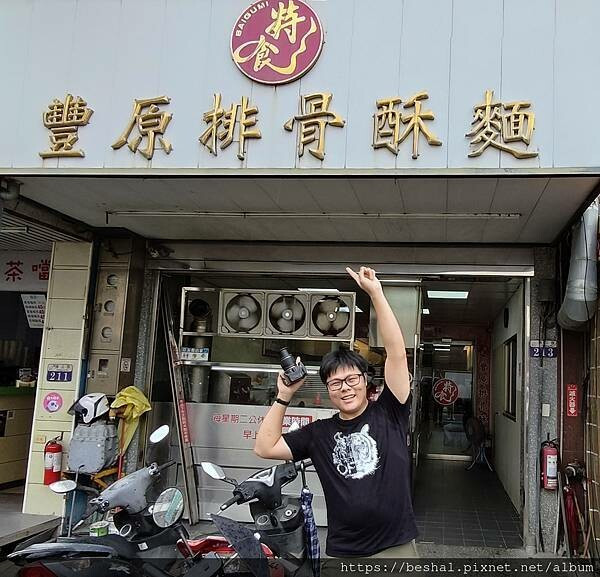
446	398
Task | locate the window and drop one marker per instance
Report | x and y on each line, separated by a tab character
510	378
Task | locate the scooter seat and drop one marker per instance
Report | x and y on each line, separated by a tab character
121	546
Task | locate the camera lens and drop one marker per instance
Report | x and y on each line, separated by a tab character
287	360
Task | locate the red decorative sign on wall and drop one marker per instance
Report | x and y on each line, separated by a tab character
445	391
274	42
572	401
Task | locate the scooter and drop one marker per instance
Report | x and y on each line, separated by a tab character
276	545
145	546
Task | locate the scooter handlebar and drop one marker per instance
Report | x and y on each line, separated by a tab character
235	499
166	465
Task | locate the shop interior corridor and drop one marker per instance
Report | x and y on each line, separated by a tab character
467	408
457	507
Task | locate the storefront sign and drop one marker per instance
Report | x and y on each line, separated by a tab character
445	392
59	373
392	125
24	271
276	42
572	401
52	402
35	309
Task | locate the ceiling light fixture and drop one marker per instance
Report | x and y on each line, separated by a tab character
325	215
14	230
447	294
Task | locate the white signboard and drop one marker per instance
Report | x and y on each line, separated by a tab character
24	271
149	112
35	309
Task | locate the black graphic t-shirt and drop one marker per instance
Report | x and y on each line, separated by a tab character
364	467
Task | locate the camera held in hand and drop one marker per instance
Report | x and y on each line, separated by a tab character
293	372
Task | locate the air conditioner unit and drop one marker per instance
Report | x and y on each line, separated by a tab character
332	316
287	315
241	313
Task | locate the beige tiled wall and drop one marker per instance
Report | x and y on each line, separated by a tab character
62	343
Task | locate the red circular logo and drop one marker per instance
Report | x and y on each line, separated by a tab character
445	391
276	42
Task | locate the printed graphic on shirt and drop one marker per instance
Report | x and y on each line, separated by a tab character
355	456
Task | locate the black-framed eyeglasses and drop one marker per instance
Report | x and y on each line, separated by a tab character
351	380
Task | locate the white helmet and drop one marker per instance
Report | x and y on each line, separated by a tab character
90	407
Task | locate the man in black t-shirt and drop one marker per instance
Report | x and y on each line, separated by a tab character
360	454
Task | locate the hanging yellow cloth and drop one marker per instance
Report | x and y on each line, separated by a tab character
129	405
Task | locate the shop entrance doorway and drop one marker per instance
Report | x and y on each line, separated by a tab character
463	416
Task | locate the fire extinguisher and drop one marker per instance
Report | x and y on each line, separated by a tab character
52	461
549	457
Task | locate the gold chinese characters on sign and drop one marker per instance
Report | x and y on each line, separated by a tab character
150	121
388	120
313	119
222	124
492	128
63	119
495	124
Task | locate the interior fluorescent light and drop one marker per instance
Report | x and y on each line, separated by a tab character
425	311
318	290
400	280
14	230
447	294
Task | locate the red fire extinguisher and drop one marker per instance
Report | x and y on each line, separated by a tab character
52	461
549	459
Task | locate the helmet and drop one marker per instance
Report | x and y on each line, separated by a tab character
90	407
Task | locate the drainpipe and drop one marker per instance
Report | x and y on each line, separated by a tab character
579	304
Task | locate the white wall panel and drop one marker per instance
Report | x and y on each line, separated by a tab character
424	66
374	75
475	66
13	67
92	58
576	84
528	73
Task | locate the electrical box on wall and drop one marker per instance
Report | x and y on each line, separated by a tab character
115	318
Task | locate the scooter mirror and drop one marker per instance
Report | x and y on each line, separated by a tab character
213	470
63	487
159	434
168	508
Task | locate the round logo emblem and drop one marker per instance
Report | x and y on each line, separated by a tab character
445	391
276	42
52	402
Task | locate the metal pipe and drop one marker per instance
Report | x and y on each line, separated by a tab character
529	542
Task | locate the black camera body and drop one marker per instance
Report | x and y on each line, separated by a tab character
293	372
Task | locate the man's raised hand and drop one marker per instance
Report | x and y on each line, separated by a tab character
366	279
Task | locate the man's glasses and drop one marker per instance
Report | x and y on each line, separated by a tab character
350	380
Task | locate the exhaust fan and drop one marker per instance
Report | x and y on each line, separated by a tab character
287	315
332	316
241	313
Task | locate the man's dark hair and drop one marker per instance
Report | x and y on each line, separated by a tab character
341	358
